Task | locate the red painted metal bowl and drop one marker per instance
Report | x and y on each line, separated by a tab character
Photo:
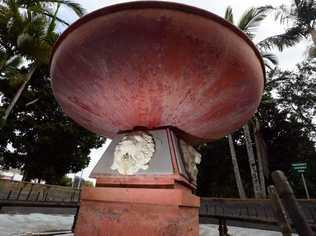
155	64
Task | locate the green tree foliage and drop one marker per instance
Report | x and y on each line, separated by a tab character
39	138
27	30
289	136
216	177
27	33
300	18
65	181
295	93
288	142
249	23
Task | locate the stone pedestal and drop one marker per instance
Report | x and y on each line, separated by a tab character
156	200
152	64
137	211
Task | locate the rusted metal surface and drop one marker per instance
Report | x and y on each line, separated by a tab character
155	64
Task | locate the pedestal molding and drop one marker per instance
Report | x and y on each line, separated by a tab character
171	197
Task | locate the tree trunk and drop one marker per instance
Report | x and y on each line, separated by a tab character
252	162
17	95
260	156
240	186
313	35
312	49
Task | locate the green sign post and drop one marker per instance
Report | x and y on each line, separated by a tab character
301	169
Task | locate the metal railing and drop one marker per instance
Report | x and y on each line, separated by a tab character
269	212
33	192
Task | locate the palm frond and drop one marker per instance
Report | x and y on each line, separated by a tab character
52	25
270	60
229	15
75	7
291	37
301	12
284	14
252	18
9	73
46	7
270	57
36	26
46	13
14	62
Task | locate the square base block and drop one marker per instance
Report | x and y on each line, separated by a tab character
137	211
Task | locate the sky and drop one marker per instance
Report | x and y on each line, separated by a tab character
287	59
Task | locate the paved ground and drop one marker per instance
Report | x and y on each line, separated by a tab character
20	224
212	230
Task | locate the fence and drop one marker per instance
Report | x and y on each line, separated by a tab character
257	211
32	192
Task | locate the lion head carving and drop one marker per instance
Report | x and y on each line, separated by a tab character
133	153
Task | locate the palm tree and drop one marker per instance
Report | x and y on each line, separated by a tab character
240	186
248	23
252	163
8	65
312	49
261	152
301	15
46	7
27	34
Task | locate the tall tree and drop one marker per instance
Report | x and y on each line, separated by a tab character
288	118
27	32
300	17
252	162
216	175
37	138
295	93
288	142
240	186
312	49
248	23
286	130
288	137
45	8
261	153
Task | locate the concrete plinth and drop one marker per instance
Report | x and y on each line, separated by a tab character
154	201
137	211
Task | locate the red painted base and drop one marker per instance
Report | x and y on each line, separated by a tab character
137	211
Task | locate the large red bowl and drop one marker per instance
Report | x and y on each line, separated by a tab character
155	64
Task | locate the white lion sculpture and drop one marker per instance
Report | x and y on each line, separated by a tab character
133	153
